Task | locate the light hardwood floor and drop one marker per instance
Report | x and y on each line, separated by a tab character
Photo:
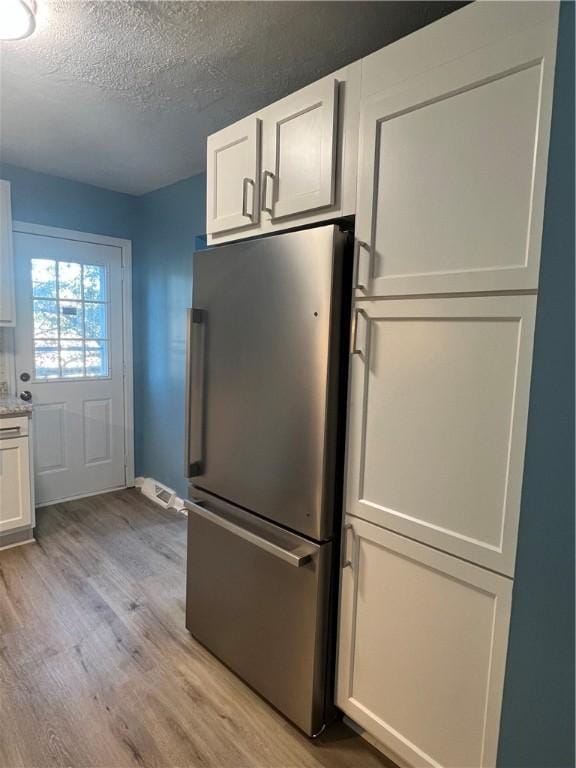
97	668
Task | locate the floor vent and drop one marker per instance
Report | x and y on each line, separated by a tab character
160	493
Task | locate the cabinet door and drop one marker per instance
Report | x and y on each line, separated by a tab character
437	421
7	312
233	176
453	169
422	649
15	499
299	150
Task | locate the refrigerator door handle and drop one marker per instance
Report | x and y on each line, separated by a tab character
194	440
297	558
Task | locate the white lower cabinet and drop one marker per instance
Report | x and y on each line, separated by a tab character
422	649
15	477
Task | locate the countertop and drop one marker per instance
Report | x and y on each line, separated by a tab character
13	406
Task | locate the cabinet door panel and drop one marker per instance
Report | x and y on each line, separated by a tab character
451	187
438	412
15	499
299	150
422	649
7	305
233	177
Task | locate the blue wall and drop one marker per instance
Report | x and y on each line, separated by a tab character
538	713
55	202
167	224
163	226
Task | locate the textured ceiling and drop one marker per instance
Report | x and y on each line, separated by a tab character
123	94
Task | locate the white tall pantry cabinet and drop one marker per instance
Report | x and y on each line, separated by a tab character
454	134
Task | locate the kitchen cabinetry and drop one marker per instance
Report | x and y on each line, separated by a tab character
233	178
437	421
453	172
300	132
422	649
302	171
15	476
454	127
454	134
7	303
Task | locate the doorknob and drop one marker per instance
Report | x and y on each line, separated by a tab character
26	395
25	376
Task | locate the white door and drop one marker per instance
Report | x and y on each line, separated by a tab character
422	649
299	150
233	176
70	359
453	172
437	421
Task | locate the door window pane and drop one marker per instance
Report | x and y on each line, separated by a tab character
44	278
71	359
94	282
95	320
70	309
71	320
69	280
47	359
45	319
97	358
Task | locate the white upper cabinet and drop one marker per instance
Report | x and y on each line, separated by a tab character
7	305
454	154
437	421
422	649
307	160
232	195
299	167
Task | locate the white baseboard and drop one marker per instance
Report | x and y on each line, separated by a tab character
148	485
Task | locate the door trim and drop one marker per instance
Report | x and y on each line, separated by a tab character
125	246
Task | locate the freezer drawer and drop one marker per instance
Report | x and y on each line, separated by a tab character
257	597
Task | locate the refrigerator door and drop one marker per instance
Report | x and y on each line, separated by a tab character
265	340
258	597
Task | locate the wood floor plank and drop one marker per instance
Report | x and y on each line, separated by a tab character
98	670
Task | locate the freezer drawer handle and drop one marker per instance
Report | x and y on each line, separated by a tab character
283	554
194	442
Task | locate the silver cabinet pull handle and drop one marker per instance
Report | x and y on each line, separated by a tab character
246	182
362	264
360	318
265	176
194	429
296	560
346	562
6	432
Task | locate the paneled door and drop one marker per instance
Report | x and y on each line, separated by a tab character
299	151
453	171
437	421
70	362
233	175
422	649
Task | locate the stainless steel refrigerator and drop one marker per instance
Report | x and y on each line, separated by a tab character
266	386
